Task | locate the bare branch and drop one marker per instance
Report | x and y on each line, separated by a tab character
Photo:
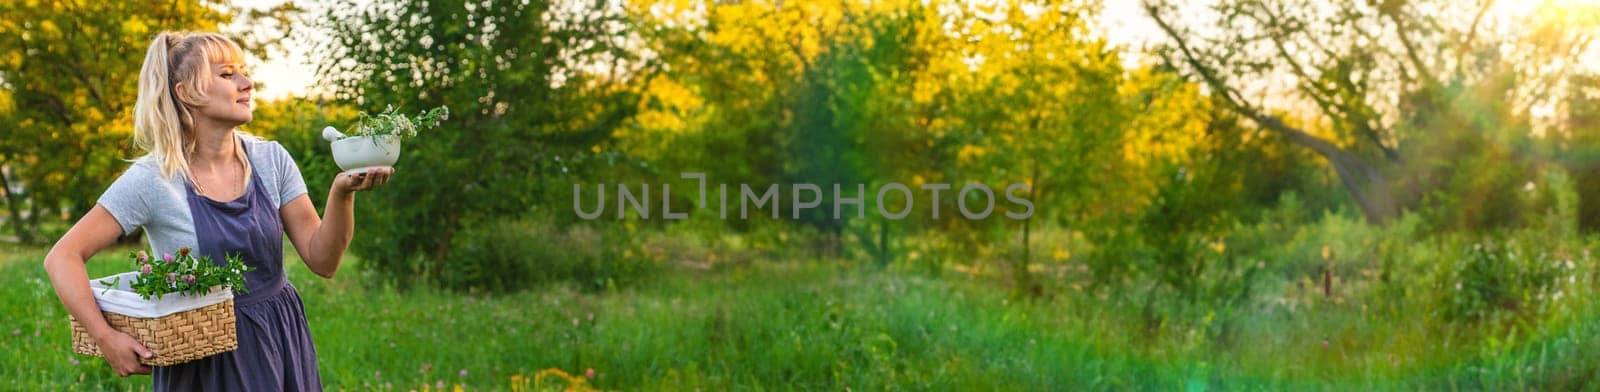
1472	34
1366	183
1402	31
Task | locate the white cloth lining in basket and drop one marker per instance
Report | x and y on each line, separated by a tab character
123	300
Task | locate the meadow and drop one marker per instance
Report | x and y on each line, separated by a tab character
760	323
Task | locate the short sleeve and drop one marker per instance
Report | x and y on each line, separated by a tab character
125	200
290	183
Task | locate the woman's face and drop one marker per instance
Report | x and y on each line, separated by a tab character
228	95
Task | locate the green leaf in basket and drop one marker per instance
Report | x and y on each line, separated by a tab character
187	274
110	285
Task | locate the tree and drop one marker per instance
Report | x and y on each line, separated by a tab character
811	93
1044	108
533	88
1582	156
69	70
1412	93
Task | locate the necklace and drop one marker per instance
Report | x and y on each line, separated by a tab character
202	190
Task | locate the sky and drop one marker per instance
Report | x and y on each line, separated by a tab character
1122	21
292	73
288	73
1125	25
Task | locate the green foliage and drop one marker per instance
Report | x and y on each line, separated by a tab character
512	255
534	88
1556	196
1233	193
1498	280
388	122
1474	172
1578	148
184	274
68	80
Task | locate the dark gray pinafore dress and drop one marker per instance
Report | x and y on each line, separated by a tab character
275	351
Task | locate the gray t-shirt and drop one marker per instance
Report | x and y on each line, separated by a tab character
141	197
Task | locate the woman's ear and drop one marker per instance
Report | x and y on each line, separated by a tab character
185	107
180	90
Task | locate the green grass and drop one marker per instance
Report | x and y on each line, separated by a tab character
827	325
796	325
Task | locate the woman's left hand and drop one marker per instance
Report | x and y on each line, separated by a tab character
350	183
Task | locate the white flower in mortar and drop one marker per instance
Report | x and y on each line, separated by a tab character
376	140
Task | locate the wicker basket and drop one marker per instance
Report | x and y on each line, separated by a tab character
175	338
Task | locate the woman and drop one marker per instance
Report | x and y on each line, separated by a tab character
204	185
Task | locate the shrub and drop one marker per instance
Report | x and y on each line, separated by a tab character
511	255
1492	281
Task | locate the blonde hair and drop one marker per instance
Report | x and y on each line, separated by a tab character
163	122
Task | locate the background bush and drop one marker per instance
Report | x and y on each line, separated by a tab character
510	255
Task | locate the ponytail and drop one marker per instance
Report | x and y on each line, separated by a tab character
157	129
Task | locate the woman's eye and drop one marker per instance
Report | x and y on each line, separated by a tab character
228	75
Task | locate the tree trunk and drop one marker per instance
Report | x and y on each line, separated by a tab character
1366	184
13	206
442	253
1025	282
31	232
1027	251
1586	180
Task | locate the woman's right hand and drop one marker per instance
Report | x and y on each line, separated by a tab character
65	265
123	353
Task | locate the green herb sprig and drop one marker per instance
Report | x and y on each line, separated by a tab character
184	274
392	123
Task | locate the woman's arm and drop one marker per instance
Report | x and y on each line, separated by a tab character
321	242
97	230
